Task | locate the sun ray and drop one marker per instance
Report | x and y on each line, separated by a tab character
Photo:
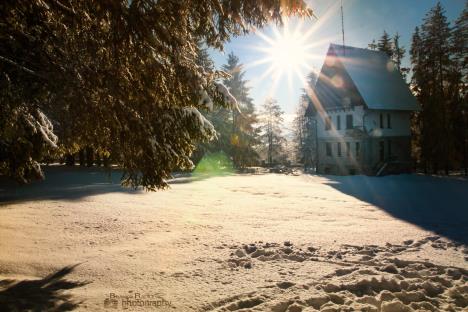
264	37
330	12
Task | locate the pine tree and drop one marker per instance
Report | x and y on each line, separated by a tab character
304	139
459	86
391	47
417	86
432	67
120	77
218	116
398	55
436	47
243	136
299	131
271	121
385	44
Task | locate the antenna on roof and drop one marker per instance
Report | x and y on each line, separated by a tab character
342	26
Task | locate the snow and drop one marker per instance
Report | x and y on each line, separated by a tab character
206	100
206	127
227	96
40	123
264	241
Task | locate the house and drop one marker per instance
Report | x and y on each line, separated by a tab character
359	111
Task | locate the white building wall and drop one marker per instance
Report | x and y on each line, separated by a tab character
369	119
357	112
400	123
363	119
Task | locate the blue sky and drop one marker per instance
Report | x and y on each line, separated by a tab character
364	20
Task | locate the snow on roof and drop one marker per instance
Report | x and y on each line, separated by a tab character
374	75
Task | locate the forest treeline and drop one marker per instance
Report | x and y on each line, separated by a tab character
439	60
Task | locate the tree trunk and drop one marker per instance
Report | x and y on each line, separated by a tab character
69	159
81	157
106	161
89	157
98	160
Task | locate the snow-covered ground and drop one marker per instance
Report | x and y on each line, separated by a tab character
267	242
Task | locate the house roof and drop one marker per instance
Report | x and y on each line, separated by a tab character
354	76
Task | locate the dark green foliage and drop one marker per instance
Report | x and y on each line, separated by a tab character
236	135
438	55
398	55
244	136
391	47
385	44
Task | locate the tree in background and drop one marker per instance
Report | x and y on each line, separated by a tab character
304	137
243	134
417	81
385	44
459	86
236	135
271	120
391	47
299	131
372	46
218	116
438	84
398	55
119	77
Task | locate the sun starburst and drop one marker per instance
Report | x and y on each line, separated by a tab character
288	50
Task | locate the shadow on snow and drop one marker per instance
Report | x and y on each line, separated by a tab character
437	204
45	294
68	183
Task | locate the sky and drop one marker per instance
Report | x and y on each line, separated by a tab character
364	20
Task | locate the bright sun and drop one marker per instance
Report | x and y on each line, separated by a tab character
288	52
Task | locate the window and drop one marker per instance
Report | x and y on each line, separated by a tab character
389	121
389	148
348	149
358	149
327	123
381	121
329	149
349	121
338	147
382	150
338	122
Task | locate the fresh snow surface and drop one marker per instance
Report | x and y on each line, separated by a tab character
266	242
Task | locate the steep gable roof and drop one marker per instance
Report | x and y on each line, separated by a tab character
355	76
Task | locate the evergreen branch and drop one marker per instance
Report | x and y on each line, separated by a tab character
25	69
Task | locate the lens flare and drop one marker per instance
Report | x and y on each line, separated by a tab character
214	164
